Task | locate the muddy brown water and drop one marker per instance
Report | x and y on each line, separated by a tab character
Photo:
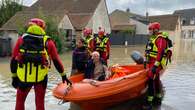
178	80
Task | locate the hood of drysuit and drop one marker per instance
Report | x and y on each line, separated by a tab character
36	30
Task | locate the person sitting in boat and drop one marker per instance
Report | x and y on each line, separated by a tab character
80	58
96	68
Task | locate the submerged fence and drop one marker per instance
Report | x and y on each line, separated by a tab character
127	39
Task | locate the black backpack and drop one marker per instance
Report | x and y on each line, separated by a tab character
32	49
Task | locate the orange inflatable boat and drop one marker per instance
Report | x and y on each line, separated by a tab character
98	95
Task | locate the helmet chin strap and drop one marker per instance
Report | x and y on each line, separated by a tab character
155	31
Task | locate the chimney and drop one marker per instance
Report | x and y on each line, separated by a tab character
128	10
147	14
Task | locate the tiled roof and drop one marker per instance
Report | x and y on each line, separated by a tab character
79	12
168	22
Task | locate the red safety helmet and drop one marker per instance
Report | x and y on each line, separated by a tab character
38	22
101	32
87	31
154	26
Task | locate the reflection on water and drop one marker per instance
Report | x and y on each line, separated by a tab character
178	80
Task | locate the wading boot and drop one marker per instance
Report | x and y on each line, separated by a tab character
157	99
148	104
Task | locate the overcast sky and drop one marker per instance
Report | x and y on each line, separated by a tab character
154	7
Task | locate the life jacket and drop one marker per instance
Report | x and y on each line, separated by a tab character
152	50
87	43
169	41
117	75
117	72
33	59
101	44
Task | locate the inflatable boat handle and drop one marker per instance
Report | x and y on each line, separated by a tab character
62	102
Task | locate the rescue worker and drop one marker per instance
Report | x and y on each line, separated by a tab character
88	37
102	45
156	57
30	64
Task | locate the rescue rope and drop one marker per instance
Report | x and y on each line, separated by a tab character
65	93
60	102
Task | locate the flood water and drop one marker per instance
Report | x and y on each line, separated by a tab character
178	80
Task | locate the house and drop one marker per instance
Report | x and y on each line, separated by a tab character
70	16
141	24
125	20
187	22
169	23
128	28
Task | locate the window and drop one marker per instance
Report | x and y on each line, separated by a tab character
183	21
192	20
194	34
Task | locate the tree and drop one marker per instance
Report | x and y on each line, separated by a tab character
129	31
51	29
8	8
